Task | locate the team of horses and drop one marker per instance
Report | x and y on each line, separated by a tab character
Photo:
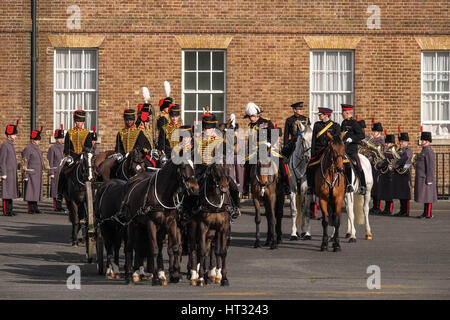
143	202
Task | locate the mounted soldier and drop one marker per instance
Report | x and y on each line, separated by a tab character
402	174
55	156
167	138
130	137
291	128
258	123
143	118
32	166
164	105
353	135
8	169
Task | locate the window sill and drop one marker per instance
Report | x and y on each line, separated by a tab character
438	142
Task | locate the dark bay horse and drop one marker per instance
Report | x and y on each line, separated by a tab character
211	226
330	188
152	203
74	190
123	167
266	187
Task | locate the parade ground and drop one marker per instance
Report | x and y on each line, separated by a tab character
410	257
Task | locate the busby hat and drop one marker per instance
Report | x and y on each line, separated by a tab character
59	133
347	107
402	136
79	116
297	105
377	127
326	111
426	136
167	101
174	110
251	109
35	134
129	114
12	129
186	128
390	138
209	121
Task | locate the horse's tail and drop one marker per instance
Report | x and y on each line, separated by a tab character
358	208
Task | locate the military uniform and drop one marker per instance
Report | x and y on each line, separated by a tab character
128	139
166	139
425	185
385	180
8	172
55	155
402	177
32	159
291	127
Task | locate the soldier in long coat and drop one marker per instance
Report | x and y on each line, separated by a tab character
385	181
32	167
377	140
55	155
402	175
8	170
425	185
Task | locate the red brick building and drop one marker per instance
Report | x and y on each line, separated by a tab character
391	59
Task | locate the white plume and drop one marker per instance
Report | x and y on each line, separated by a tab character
252	109
167	88
146	94
233	120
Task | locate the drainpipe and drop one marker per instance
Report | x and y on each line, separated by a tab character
33	66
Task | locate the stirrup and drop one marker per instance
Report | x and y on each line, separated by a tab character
349	188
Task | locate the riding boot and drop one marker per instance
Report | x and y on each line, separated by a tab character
348	178
246	187
234	193
284	171
362	181
389	206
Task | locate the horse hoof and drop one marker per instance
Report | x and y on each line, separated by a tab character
257	244
324	248
352	240
218	281
193	282
369	237
201	283
293	238
336	249
156	282
74	244
164	282
212	278
348	235
224	283
117	276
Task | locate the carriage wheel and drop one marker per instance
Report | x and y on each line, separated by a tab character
99	251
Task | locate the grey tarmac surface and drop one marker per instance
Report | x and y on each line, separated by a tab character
413	256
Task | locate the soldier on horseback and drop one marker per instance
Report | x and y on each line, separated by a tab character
166	139
291	128
253	112
130	137
354	134
164	105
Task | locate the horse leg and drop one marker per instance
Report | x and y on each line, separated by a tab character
203	232
323	206
209	253
193	248
212	266
173	248
366	214
351	231
73	216
294	214
271	222
337	221
279	217
129	244
161	235
217	252
153	243
117	244
109	251
222	247
257	205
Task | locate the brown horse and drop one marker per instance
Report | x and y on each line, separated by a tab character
330	188
266	186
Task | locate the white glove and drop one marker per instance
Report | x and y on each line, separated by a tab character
349	140
52	176
268	144
4	177
429	183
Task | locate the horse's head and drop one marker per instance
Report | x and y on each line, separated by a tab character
337	148
87	160
187	175
136	163
218	174
265	173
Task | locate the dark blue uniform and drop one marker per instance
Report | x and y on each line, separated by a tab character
356	133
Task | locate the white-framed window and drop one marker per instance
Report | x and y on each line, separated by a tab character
75	86
435	104
331	81
204	84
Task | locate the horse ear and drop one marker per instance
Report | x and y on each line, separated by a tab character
329	135
342	135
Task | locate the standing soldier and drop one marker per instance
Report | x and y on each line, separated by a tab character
32	166
130	137
55	155
353	135
425	185
402	174
385	180
165	140
8	169
318	144
377	140
164	105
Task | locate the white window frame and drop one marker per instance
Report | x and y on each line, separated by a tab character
311	92
83	70
422	93
198	109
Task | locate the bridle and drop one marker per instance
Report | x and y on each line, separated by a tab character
129	158
210	174
270	180
90	169
333	170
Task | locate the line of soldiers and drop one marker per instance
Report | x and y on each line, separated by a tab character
391	167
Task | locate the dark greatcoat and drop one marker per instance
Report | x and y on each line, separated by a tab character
402	182
375	172
8	168
425	173
385	182
54	155
34	189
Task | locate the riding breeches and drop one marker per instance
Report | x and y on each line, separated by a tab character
358	169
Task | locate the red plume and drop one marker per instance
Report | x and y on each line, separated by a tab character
41	128
373	120
399	129
62	126
17	122
421	128
385	132
356	117
93	129
276	126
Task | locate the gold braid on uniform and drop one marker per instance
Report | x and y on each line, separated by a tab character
78	137
207	148
129	138
169	129
149	135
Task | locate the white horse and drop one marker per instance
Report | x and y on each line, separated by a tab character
357	205
298	163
